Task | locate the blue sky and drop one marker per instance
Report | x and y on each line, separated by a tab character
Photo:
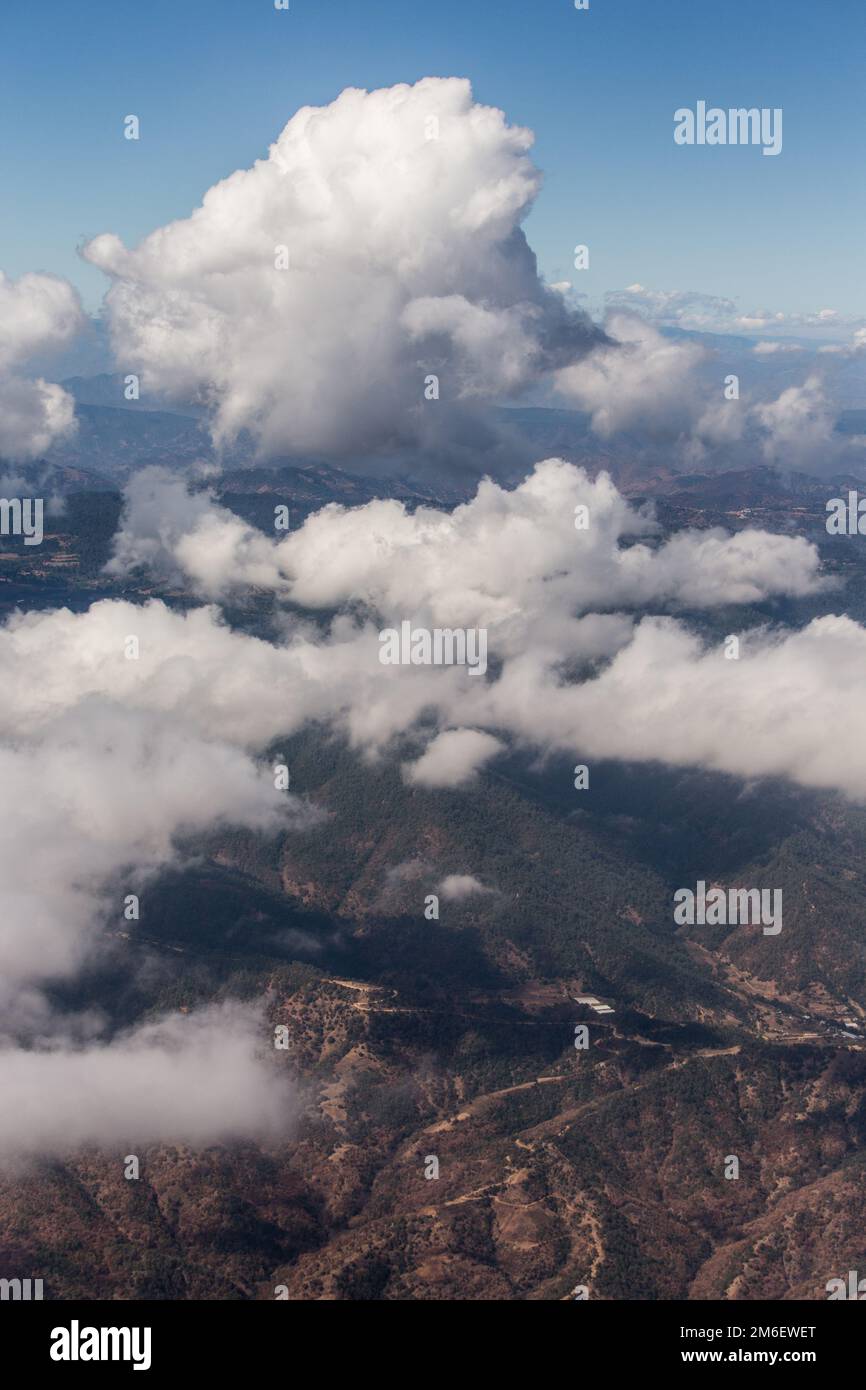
213	82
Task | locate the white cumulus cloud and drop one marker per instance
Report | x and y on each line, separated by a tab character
37	313
453	758
308	297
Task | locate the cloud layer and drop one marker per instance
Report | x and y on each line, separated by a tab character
513	560
196	1079
570	669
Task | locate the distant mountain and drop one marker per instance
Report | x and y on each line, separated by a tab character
115	441
116	436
